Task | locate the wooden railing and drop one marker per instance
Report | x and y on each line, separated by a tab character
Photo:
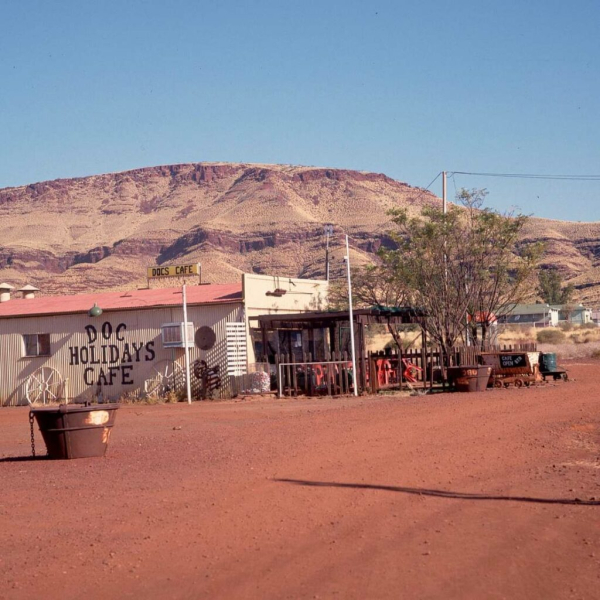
426	366
389	369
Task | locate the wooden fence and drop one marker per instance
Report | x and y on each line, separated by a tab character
425	367
390	369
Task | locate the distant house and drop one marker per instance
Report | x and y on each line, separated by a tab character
533	315
596	316
576	314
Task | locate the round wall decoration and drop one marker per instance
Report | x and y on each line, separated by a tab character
205	338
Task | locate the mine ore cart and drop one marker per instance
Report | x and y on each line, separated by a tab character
513	368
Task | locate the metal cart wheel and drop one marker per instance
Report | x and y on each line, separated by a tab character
167	377
518	383
44	386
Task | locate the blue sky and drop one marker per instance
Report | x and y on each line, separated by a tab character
404	88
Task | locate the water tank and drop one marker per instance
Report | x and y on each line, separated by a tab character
548	361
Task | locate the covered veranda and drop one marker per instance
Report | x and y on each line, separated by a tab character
311	351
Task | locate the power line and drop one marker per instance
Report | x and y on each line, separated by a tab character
454	182
530	176
433	181
421	191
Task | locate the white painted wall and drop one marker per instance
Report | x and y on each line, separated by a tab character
301	295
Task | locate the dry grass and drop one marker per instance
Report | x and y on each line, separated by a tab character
579	343
516	334
584	336
569	350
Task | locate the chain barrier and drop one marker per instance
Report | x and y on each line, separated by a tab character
31	419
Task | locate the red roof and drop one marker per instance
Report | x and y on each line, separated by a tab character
107	301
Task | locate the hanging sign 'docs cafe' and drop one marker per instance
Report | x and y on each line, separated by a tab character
174	271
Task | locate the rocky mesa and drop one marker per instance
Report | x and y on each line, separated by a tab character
102	231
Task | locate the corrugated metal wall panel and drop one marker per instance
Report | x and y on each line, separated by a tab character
125	345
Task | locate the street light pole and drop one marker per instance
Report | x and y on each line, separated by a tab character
351	317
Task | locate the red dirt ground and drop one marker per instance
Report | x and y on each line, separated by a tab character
445	496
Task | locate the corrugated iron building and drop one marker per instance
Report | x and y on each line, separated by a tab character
52	345
538	315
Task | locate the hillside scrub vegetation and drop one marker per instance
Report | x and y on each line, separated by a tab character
551	288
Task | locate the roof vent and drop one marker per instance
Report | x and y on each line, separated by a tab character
5	289
28	291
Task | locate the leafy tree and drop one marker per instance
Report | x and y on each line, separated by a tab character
503	268
373	285
468	261
551	288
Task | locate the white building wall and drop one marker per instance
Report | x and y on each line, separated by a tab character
300	295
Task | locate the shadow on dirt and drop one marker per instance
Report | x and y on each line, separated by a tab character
441	493
24	458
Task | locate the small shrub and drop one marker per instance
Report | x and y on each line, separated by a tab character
589	326
171	397
174	396
595	353
566	325
551	336
129	398
152	400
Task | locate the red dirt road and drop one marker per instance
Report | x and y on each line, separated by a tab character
449	496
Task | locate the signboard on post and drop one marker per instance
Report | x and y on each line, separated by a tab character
174	271
510	361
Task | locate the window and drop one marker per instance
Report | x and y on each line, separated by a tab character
37	344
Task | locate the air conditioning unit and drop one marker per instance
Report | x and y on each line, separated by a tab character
173	335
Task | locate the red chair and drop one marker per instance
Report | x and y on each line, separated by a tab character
319	374
410	371
384	369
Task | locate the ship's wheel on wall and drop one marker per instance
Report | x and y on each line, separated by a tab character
44	386
167	377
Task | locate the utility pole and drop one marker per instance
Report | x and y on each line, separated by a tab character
351	317
328	229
